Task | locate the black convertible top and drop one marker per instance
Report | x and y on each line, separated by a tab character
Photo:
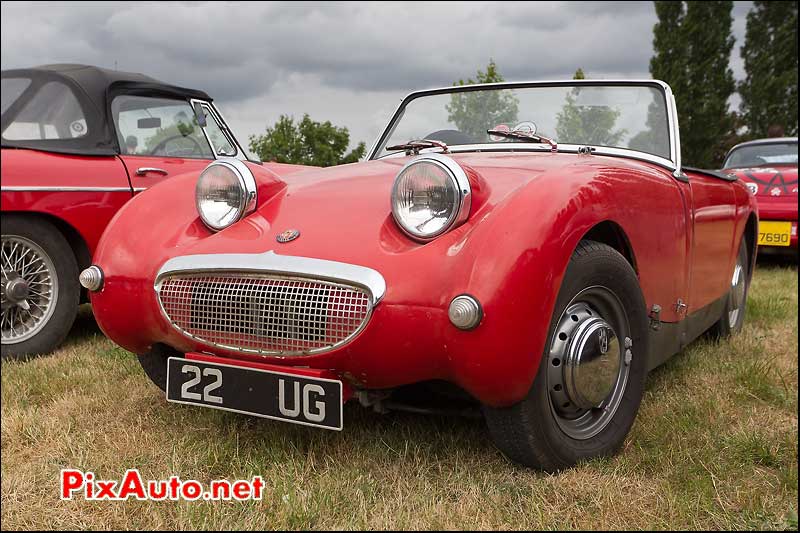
94	88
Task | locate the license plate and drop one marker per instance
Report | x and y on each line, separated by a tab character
275	395
774	233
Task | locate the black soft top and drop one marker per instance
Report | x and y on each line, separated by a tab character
94	88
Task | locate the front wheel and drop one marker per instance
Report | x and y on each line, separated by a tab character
40	290
590	381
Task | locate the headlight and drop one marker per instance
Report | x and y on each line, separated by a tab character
225	192
431	195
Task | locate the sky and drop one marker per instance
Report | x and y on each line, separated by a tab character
350	63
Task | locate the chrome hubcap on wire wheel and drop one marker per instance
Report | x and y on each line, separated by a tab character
29	289
589	362
737	294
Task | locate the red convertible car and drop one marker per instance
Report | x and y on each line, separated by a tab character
78	142
534	248
769	169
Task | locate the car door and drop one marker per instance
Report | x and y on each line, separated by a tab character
161	137
713	208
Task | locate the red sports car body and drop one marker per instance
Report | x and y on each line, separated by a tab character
543	279
78	142
769	168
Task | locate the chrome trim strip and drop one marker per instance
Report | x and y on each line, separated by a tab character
287	265
674	132
64	189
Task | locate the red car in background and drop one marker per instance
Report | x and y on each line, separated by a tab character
78	142
769	168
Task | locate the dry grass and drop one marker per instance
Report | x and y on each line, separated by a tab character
714	446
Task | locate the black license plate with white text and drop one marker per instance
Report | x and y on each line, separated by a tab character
279	396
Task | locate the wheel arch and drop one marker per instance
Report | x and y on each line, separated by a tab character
75	240
610	233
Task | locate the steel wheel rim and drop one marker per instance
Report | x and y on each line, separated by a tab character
23	259
591	306
737	294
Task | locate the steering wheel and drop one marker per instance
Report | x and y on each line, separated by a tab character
451	137
196	149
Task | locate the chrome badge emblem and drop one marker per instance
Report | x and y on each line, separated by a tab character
288	235
603	339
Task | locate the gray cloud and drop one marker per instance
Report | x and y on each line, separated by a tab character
348	62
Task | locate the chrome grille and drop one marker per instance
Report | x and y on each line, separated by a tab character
267	314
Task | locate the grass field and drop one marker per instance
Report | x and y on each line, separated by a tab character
714	446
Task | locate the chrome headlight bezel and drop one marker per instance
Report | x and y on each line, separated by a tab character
247	192
458	180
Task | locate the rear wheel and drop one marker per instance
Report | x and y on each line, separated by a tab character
587	391
40	291
732	319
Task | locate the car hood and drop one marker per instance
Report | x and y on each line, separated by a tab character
769	181
352	202
344	213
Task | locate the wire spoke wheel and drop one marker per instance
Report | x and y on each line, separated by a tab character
29	289
589	362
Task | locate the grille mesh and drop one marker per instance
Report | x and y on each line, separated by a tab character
264	314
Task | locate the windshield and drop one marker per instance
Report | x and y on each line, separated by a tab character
756	155
618	116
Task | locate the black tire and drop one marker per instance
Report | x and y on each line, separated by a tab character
530	432
730	323
55	329
154	364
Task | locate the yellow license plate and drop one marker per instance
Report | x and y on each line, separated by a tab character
774	233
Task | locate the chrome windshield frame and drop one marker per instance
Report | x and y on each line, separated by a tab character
673	163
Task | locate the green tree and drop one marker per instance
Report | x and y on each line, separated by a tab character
692	42
769	90
582	124
655	139
475	112
306	142
670	48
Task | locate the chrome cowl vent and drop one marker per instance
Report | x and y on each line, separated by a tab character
264	313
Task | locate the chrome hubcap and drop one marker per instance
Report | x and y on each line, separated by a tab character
589	362
29	289
737	294
592	360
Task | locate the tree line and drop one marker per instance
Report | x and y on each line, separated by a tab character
692	45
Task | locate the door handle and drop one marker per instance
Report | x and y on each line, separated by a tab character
142	171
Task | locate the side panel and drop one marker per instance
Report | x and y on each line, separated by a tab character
713	205
84	192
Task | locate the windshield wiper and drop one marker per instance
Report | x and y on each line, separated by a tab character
414	146
513	134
